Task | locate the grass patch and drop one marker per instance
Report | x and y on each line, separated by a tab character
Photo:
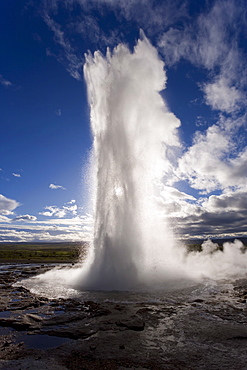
42	252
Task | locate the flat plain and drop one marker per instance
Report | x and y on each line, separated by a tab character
41	252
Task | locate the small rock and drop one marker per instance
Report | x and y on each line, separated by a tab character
119	307
34	317
198	300
133	323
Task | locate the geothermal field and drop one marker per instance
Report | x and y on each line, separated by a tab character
137	299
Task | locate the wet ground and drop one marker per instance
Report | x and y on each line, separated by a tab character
195	327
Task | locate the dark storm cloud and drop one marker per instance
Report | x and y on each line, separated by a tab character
212	224
25	218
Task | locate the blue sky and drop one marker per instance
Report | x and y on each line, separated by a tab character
45	136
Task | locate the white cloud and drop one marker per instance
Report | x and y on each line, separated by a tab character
72	209
24	218
49	53
16	174
53	211
4	219
7	205
154	16
58	112
211	41
72	201
239	166
78	228
55	187
149	14
202	164
207	40
231	201
5	82
71	223
178	208
214	162
220	216
221	96
10	235
171	192
69	57
37	37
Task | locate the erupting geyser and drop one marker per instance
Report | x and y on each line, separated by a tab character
132	129
133	137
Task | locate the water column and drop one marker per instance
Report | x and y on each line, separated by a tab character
132	129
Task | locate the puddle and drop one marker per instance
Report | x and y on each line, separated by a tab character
5	314
59	312
6	331
42	341
14	300
43	315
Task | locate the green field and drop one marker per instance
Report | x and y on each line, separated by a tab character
42	252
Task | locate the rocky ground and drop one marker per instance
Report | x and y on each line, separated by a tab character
204	332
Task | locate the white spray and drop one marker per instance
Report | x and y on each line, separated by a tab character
132	129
